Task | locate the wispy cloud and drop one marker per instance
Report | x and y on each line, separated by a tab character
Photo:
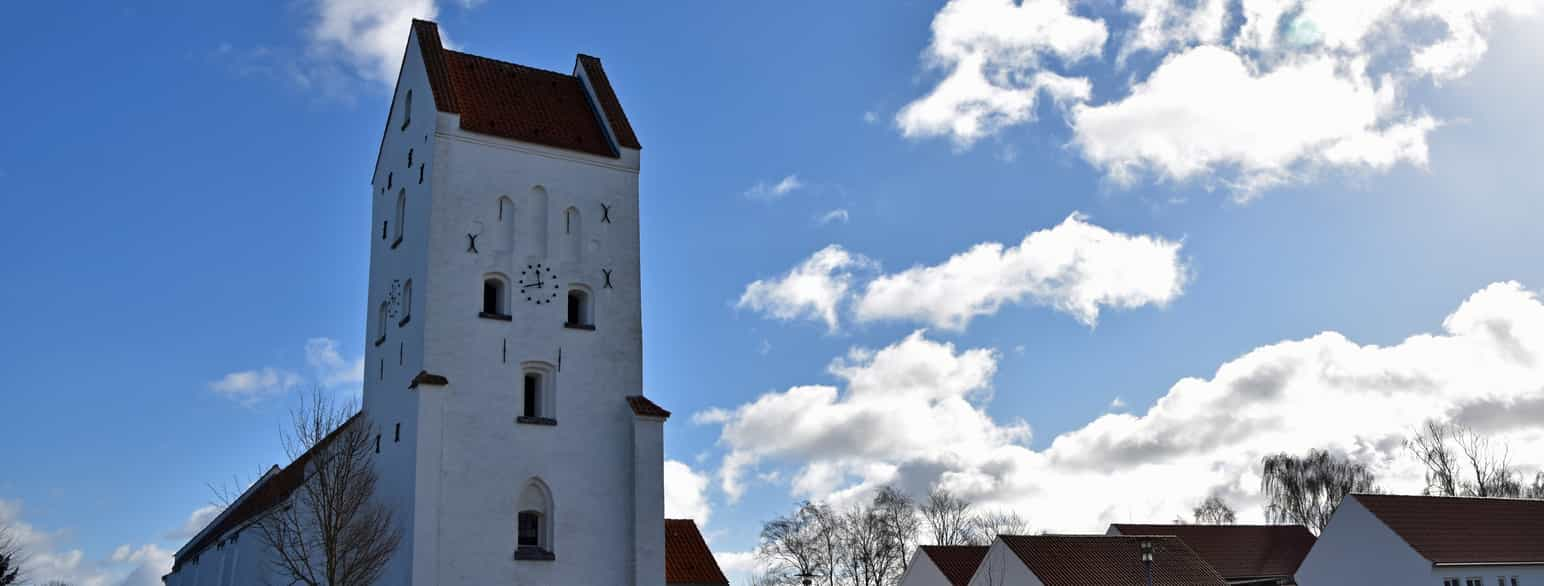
836	215
763	191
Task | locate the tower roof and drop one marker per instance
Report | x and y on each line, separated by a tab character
578	111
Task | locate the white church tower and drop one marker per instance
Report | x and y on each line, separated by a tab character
504	366
504	358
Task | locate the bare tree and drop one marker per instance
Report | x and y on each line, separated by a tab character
1536	490
898	515
829	538
1307	490
990	524
330	531
1477	467
948	518
793	545
1214	511
11	557
870	548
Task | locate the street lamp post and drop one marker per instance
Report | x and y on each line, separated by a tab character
1147	561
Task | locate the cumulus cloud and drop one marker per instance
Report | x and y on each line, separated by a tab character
1074	267
368	35
914	414
686	493
764	191
197	520
993	51
811	290
328	370
1297	87
250	387
47	559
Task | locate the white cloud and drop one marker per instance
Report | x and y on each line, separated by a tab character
836	215
196	522
686	493
993	51
48	560
252	386
764	191
1301	86
368	35
1074	267
1117	403
811	290
739	566
330	367
913	414
328	370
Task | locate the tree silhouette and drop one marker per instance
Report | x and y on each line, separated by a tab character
1307	490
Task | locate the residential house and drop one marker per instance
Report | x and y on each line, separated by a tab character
1245	555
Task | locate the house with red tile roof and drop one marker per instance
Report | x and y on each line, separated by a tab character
943	565
1429	540
688	561
1084	560
1245	555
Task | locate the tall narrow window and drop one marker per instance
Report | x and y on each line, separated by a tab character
401	214
381	317
530	530
532	395
407	303
407	110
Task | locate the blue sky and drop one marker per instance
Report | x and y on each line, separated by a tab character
185	193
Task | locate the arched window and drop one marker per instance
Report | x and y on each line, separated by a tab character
407	303
571	234
533	522
494	298
580	313
401	214
407	110
538	402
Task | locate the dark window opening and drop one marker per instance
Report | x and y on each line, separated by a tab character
420	173
529	536
410	158
384	225
388	180
377	443
532	395
397	437
407	110
493	298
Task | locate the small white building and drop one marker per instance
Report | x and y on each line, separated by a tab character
1084	560
504	365
943	565
1429	541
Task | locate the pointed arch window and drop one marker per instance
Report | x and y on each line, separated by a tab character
533	522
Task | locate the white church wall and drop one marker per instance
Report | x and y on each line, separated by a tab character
391	365
1356	548
923	572
484	456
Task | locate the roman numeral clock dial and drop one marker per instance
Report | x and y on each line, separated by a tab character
538	284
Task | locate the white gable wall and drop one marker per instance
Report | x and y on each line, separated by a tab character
923	572
1003	567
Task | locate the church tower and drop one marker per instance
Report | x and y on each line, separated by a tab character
504	365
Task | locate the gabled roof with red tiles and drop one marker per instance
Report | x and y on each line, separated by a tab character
1239	551
522	103
646	408
957	562
1464	530
687	557
273	488
1110	560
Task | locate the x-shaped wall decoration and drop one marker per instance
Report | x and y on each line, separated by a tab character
605	214
606	273
471	243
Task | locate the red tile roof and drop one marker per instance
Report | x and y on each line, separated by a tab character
646	408
957	562
687	557
522	103
1239	551
1109	560
1464	530
270	490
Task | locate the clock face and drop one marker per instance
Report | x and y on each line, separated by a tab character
538	284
